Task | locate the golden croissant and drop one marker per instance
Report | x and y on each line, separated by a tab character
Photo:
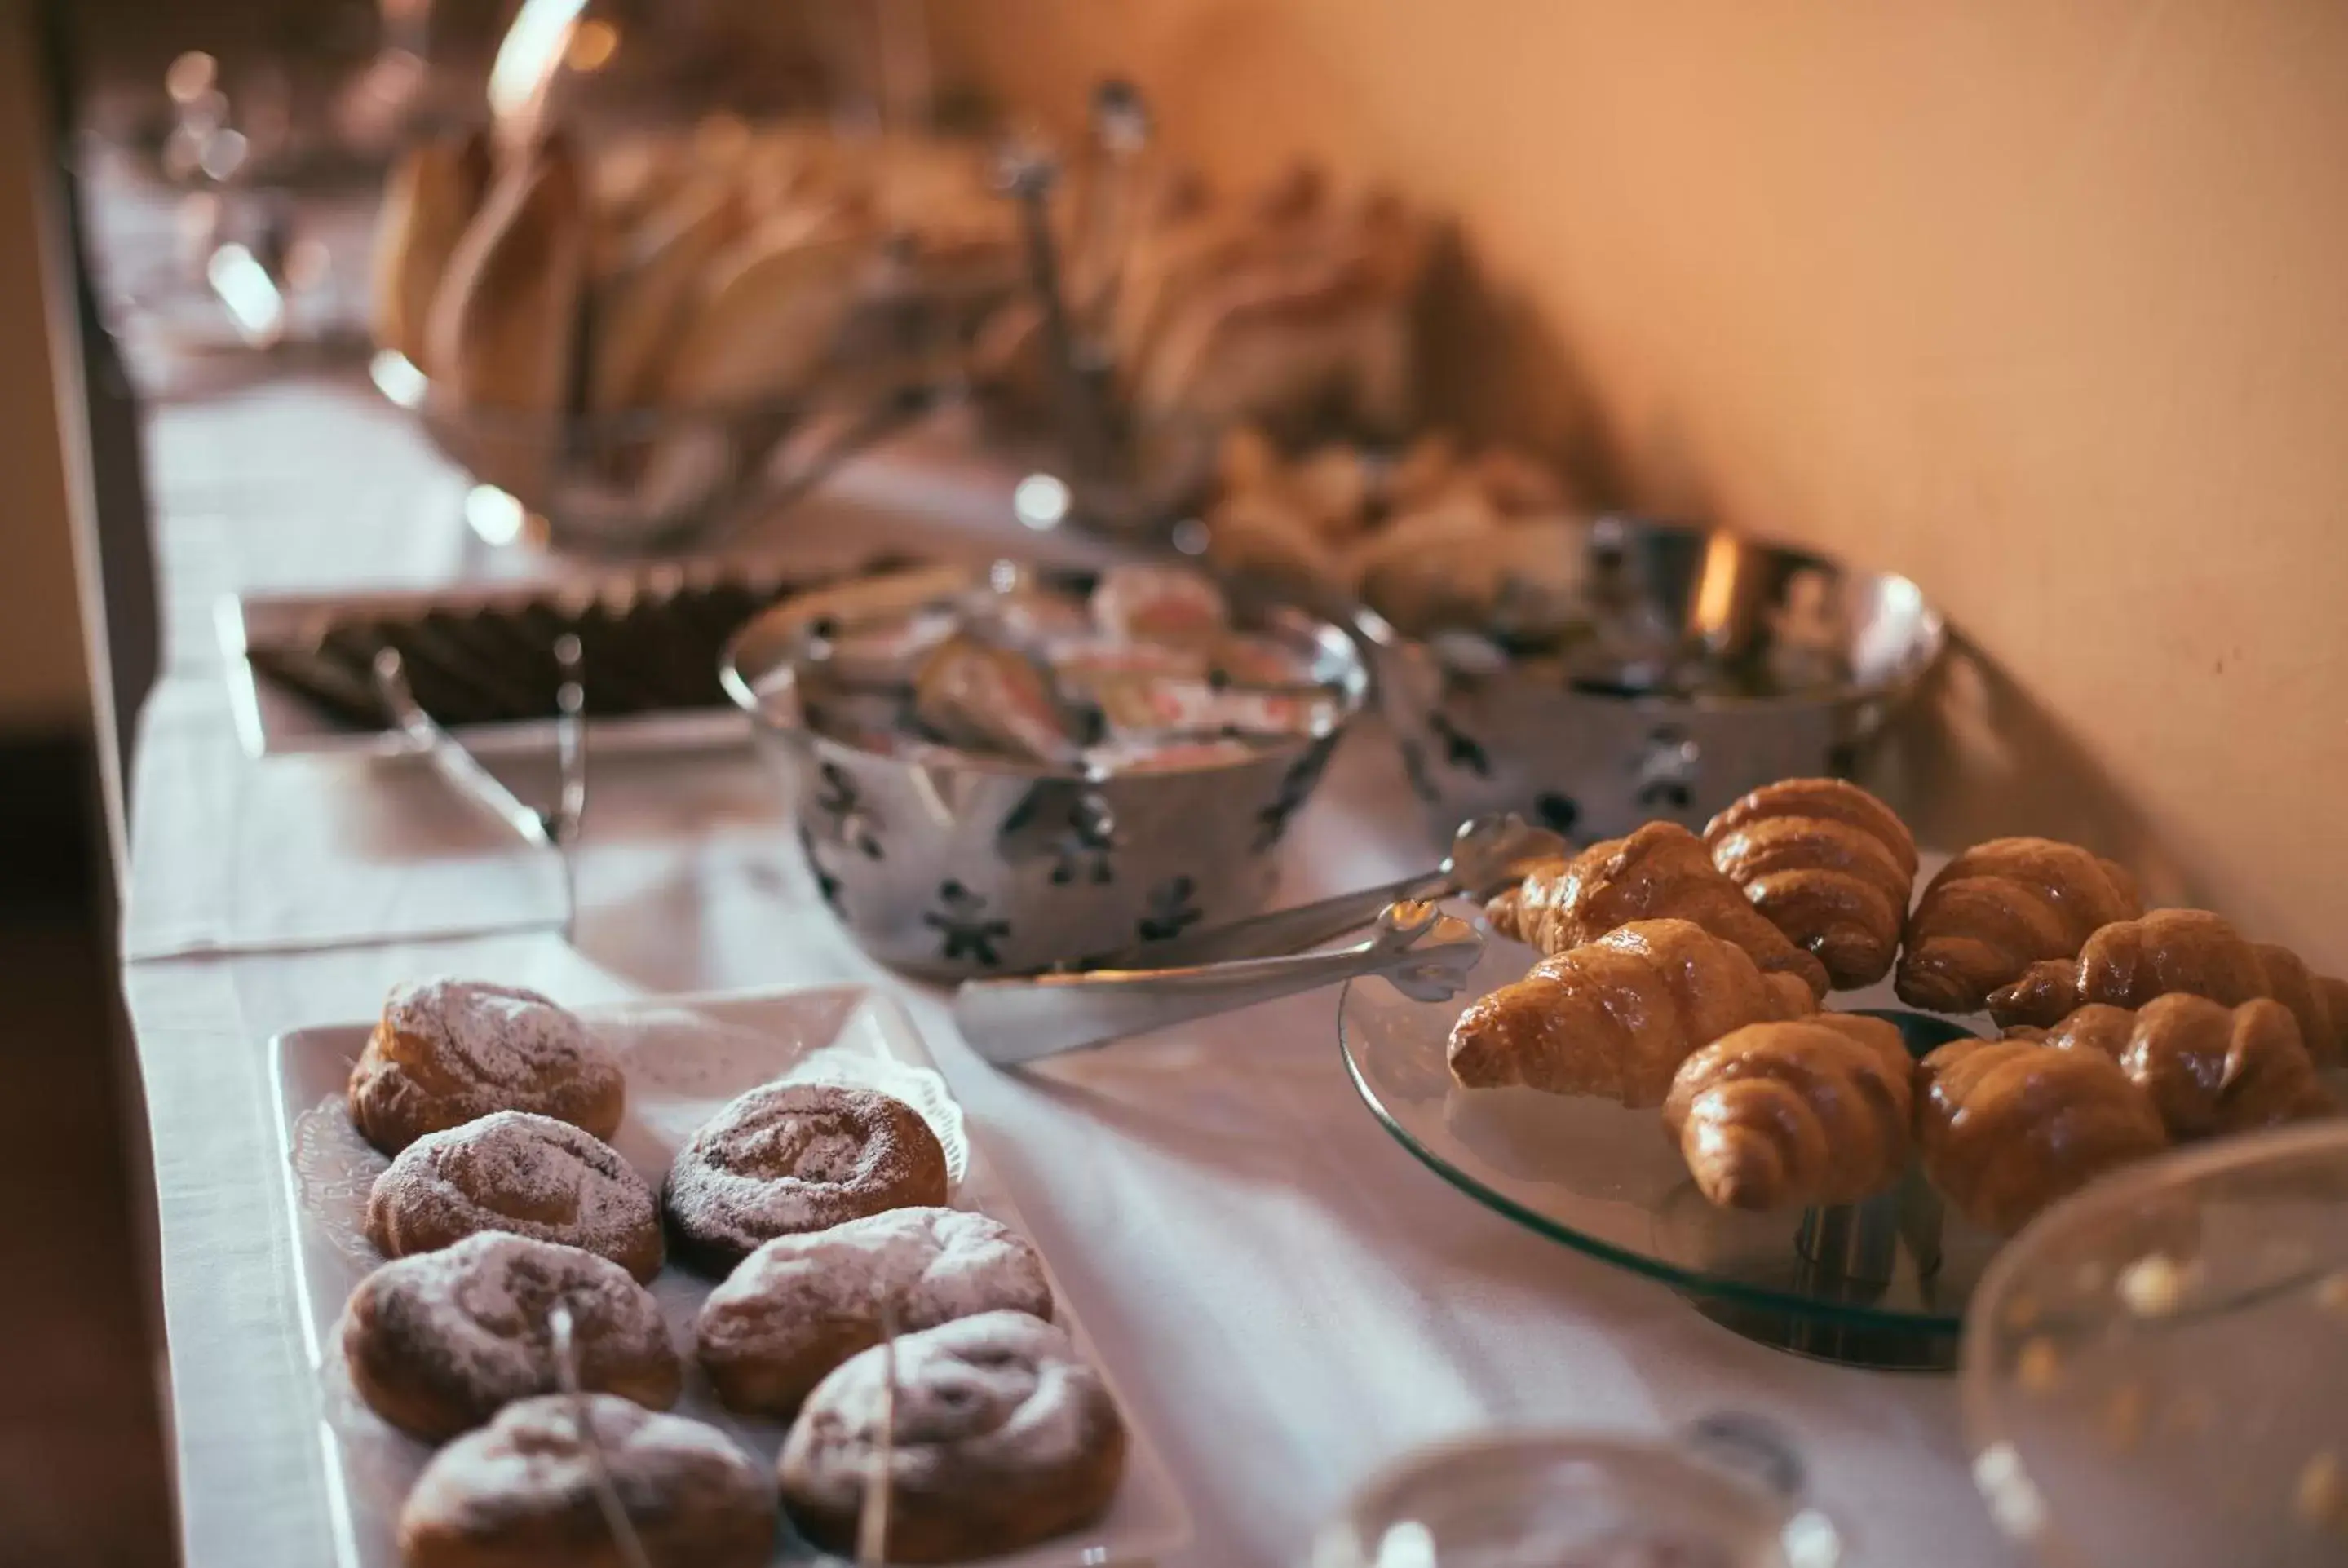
2000	908
1659	873
1782	1115
2210	1069
1616	1017
2007	1127
2129	962
1826	863
1506	909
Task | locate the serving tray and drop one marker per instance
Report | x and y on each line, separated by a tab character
481	658
683	1057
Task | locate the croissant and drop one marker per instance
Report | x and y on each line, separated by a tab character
1660	872
2210	1069
1999	908
2129	962
1826	863
1505	911
2007	1127
1779	1115
1615	1018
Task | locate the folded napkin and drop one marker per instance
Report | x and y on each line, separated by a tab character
317	852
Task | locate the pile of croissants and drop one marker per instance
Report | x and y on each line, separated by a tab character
708	269
1687	972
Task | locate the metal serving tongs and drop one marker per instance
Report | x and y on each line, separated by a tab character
872	1514
628	1546
1421	951
557	830
1488	853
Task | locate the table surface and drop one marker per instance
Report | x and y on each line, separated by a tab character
1290	1297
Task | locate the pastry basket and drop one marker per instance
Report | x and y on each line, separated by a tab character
953	866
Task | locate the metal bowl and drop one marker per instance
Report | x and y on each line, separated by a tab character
1596	759
966	866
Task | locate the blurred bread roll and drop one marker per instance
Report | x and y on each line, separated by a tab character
501	328
646	303
434	192
776	306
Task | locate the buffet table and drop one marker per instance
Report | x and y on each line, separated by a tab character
1287	1296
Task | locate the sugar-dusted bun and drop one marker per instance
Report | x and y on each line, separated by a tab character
529	1176
790	1158
447	1051
801	1304
1003	1438
521	1493
439	1343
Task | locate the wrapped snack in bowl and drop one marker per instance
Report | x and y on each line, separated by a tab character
1030	799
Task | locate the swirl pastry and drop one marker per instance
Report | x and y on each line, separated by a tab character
2128	963
438	1344
530	1176
447	1052
1659	873
2000	908
2210	1069
1785	1115
1004	1437
790	1158
801	1304
1616	1017
1826	863
2007	1127
521	1493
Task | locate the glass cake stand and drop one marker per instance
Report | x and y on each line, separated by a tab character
1878	1284
2156	1370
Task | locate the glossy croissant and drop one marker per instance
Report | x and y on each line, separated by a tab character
2208	1069
1826	863
2007	1127
1616	1017
1783	1115
2000	908
2128	963
1661	872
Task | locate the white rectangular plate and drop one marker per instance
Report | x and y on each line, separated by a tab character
685	1057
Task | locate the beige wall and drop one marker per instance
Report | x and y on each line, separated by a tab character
42	685
2045	306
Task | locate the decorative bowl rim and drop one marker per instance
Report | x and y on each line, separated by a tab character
750	674
1930	641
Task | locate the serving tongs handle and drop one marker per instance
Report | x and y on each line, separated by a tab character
1422	952
1290	930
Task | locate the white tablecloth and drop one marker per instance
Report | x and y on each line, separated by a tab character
1290	1297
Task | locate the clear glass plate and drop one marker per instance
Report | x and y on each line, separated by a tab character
2156	1370
1605	1180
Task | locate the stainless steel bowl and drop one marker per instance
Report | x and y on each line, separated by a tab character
1492	735
971	866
